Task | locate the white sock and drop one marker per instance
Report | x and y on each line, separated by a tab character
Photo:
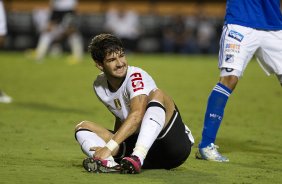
152	124
43	45
76	45
45	41
88	139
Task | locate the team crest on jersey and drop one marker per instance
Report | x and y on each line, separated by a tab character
117	104
235	35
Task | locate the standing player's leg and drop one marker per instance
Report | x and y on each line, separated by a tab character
53	32
235	53
213	117
76	45
75	39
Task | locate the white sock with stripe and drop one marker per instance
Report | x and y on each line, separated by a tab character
152	124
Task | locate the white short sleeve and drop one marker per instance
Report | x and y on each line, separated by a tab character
139	83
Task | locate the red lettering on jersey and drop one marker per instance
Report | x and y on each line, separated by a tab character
136	75
136	89
137	82
138	78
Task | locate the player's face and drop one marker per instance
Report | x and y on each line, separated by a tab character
115	65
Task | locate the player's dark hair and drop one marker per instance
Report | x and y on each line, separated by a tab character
103	44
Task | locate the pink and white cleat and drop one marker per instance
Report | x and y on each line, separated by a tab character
130	165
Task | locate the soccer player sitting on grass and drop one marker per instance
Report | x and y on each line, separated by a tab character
148	130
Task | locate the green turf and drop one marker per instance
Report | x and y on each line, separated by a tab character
36	130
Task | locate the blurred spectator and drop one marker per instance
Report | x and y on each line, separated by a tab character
177	36
205	34
3	24
61	25
4	98
125	24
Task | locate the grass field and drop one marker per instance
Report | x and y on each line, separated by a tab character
36	130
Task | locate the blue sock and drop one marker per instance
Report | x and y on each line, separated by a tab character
214	113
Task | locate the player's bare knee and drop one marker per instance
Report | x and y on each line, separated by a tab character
157	95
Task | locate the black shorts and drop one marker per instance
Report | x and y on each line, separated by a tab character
58	16
170	150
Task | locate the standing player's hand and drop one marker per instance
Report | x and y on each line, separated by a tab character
101	152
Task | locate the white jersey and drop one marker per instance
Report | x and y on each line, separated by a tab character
137	82
63	5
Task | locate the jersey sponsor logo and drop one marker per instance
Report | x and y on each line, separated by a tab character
237	36
234	48
117	104
229	58
137	81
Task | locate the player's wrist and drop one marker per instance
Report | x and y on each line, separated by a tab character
112	145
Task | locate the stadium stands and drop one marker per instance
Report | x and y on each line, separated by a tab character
91	15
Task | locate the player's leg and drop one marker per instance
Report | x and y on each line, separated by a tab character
43	45
52	32
237	46
159	110
3	24
172	147
88	135
45	40
74	37
213	117
152	124
76	44
4	98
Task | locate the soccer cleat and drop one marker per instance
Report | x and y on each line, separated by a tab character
210	153
99	166
130	165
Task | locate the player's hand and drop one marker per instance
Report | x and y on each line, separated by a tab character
101	152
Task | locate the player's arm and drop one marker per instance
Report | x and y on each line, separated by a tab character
126	129
134	119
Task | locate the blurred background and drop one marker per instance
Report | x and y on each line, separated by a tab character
146	26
